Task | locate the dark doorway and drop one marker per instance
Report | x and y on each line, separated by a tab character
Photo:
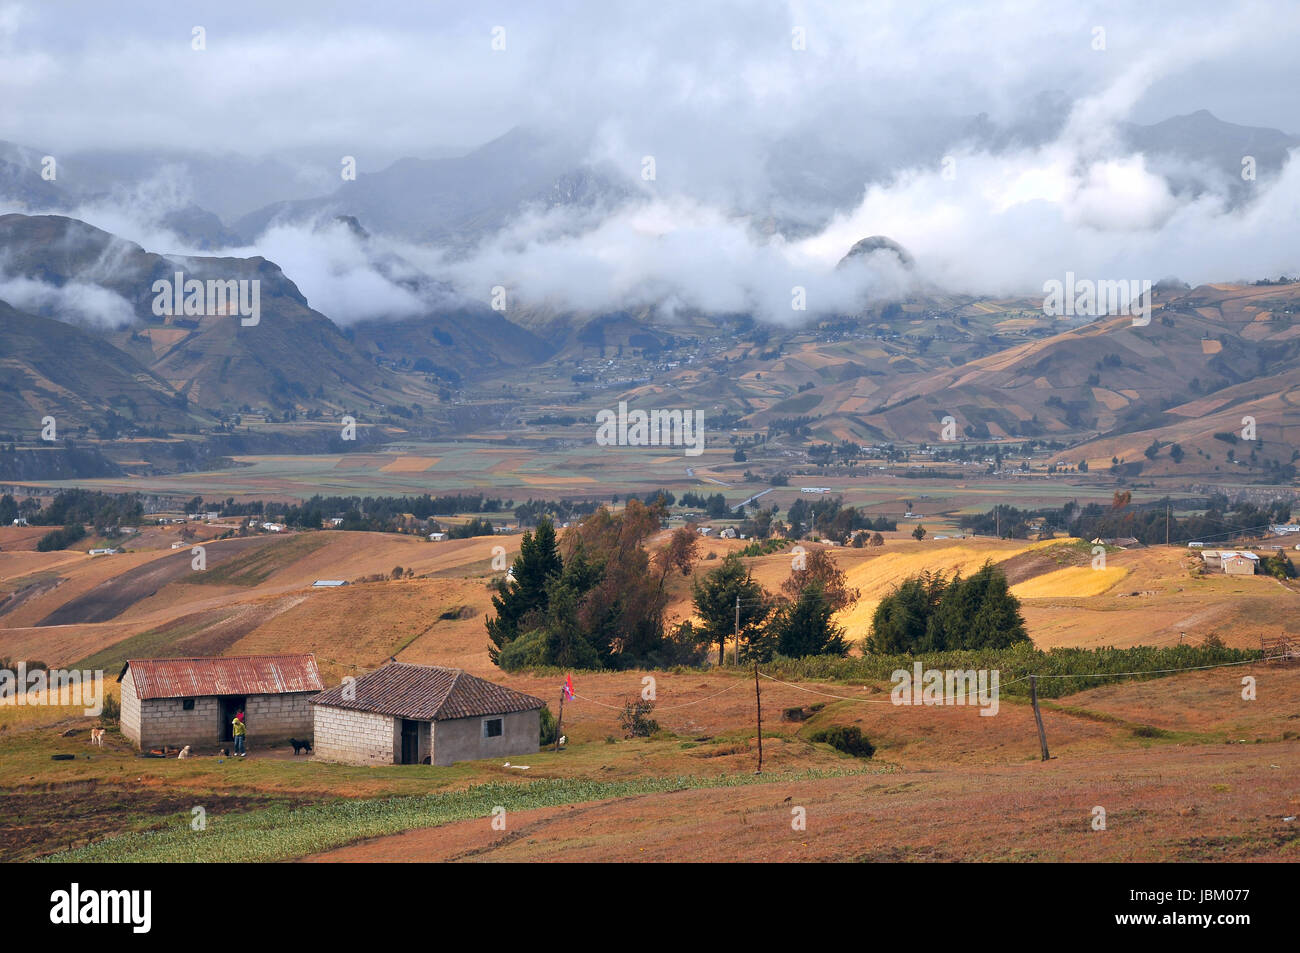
231	706
410	741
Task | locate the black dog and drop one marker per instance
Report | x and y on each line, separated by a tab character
299	745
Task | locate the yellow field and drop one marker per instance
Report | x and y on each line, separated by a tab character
877	577
1071	581
411	464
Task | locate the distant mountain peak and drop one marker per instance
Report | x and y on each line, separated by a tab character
878	243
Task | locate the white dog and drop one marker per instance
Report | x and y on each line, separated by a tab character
185	752
97	736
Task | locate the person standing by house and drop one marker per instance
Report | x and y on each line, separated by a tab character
238	730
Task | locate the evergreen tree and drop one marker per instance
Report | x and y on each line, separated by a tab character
928	614
901	619
537	563
715	601
567	644
805	627
997	622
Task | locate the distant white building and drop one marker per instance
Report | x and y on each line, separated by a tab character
328	583
273	527
20	522
102	552
437	537
814	489
1285	529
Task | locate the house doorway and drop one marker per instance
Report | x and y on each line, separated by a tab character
231	705
410	741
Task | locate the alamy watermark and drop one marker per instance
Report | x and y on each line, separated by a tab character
52	687
1088	298
213	298
655	428
933	686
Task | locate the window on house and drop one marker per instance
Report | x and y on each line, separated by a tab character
492	728
187	704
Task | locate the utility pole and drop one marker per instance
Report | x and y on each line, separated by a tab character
758	707
1167	524
737	630
997	521
1038	717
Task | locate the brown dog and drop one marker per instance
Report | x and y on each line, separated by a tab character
97	736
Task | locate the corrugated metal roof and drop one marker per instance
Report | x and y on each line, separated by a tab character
427	693
236	675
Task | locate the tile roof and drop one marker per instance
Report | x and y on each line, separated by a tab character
235	675
427	693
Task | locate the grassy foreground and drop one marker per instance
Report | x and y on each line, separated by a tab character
281	833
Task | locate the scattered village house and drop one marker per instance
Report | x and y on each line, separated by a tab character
422	714
1230	561
192	701
1239	564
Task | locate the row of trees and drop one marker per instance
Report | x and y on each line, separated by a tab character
598	599
795	622
1148	522
931	613
104	511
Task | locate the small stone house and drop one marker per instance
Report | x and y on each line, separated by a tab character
423	714
192	701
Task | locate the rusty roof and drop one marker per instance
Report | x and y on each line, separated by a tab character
427	693
235	675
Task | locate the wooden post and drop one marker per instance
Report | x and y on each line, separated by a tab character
1038	716
559	723
737	630
758	702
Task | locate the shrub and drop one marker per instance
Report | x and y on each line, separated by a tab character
547	734
635	721
61	538
111	711
1149	731
846	738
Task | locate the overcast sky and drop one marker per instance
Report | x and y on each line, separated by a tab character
416	77
708	88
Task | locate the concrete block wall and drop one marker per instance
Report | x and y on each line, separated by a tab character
158	722
129	720
462	739
356	737
278	717
164	721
